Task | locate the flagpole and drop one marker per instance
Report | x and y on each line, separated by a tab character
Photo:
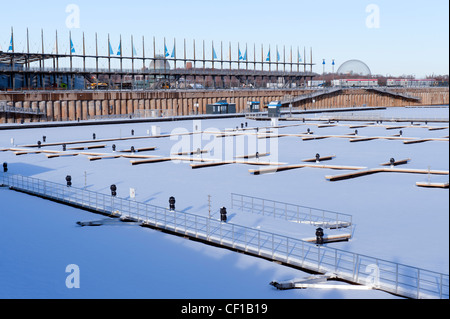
132	54
262	57
109	54
96	53
71	43
120	46
239	56
203	54
212	53
174	55
185	61
84	55
246	57
254	56
229	56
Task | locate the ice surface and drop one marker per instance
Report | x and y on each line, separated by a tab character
393	218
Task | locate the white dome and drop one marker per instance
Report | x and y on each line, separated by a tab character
354	67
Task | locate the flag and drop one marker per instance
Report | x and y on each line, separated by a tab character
214	54
173	52
111	52
299	58
72	48
119	52
10	45
245	56
134	51
278	56
268	57
166	52
240	55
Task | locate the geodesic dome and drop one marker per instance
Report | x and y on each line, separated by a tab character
354	67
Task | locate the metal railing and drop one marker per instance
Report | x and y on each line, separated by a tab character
4	107
407	281
291	212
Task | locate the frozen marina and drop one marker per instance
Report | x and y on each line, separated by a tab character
392	218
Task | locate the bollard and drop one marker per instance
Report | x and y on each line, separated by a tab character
392	161
64	147
172	203
257	155
113	190
5	167
94	136
133	150
44	138
319	236
69	180
317	158
356	132
114	147
242	125
223	214
132	132
308	131
400	133
39	144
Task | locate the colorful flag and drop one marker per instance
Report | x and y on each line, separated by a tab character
166	52
240	55
278	56
111	52
245	56
214	54
72	47
134	51
268	57
173	53
299	58
119	52
11	44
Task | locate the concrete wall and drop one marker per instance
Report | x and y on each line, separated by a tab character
62	106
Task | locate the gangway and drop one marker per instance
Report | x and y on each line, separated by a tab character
395	94
309	96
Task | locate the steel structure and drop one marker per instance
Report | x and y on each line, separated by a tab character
42	70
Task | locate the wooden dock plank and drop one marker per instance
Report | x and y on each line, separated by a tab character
381	170
399	162
432	185
321	159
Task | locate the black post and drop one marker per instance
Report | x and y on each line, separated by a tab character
5	167
69	180
319	236
172	203
113	190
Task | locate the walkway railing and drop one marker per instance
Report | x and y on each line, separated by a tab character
291	212
407	281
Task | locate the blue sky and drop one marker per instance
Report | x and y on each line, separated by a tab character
412	37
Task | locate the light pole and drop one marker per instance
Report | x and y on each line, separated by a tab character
196	105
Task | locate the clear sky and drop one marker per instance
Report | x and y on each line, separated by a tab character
392	37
